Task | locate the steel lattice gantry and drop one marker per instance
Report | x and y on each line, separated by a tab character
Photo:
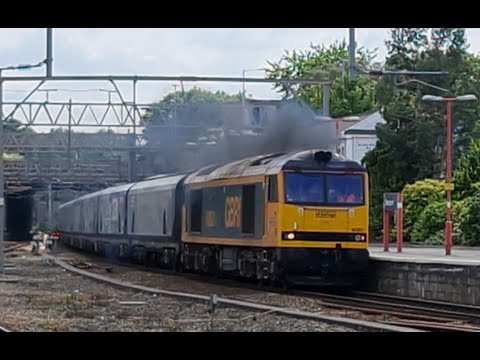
67	145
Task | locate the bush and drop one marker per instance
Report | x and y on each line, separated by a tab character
469	224
468	171
430	225
424	205
417	197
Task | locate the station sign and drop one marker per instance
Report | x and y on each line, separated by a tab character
390	201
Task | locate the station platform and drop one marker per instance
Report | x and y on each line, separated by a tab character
460	255
425	272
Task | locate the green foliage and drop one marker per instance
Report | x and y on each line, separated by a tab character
13	126
327	64
469	222
196	95
467	188
12	157
411	144
468	172
62	130
425	211
417	197
428	226
16	126
183	117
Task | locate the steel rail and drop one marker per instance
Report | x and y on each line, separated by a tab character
361	324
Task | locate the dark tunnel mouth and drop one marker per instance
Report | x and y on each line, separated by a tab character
19	216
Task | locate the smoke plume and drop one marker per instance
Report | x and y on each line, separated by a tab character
200	135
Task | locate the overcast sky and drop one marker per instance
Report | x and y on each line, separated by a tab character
214	52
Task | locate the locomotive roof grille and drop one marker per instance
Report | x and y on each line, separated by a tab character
312	165
209	169
322	160
267	159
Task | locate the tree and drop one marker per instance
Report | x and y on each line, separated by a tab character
181	118
16	126
327	63
61	130
467	175
469	222
190	111
411	144
206	131
181	99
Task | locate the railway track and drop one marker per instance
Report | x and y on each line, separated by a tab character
255	306
396	311
457	311
423	314
14	247
2	329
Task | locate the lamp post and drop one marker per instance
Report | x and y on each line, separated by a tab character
448	178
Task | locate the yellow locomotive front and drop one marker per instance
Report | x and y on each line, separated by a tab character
320	220
299	217
324	209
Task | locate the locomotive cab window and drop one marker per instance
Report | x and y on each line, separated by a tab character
305	188
324	189
345	189
196	200
248	209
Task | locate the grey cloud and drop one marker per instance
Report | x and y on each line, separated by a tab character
177	51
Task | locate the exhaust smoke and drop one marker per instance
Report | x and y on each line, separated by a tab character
198	135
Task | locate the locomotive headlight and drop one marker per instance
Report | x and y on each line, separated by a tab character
359	238
290	236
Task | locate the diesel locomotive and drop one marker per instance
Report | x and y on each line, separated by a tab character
289	218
